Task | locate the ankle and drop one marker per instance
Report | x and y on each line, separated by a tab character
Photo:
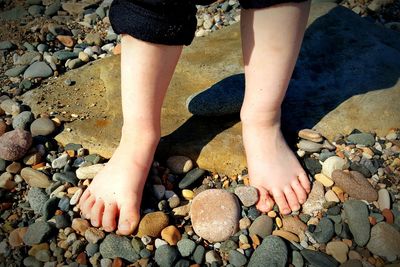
147	136
252	118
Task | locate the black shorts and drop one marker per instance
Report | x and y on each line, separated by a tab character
170	22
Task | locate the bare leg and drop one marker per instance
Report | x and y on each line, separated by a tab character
271	39
114	196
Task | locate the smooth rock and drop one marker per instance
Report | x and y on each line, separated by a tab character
353	263
35	178
88	172
6	45
333	163
171	234
215	215
383	199
338	250
213	257
236	258
179	164
355	184
293	224
297	259
10	107
330	196
277	253
310	135
16	71
37	198
356	213
262	226
247	195
94	235
37	233
323	179
186	247
16	236
289	236
365	139
23	120
14	144
315	199
42	126
318	259
165	256
80	225
114	246
38	69
152	224
309	146
191	177
385	241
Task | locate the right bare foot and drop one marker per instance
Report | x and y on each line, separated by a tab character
113	198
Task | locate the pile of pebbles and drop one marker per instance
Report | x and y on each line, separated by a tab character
191	217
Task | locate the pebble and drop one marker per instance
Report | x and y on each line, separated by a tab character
318	259
35	178
15	238
383	199
338	250
171	234
16	71
310	135
262	226
236	258
14	144
333	163
198	254
42	126
356	213
88	172
80	225
66	40
159	242
23	120
165	256
158	191
114	246
37	233
37	198
248	195
355	184
179	164
174	201
297	259
187	194
212	257
330	196
293	224
324	231
286	235
309	146
152	224
6	181
244	223
389	218
277	253
353	263
60	162
94	235
6	45
385	241
191	177
365	139
323	179
215	215
315	199
186	247
10	107
38	69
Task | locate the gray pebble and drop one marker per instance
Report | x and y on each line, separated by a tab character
16	71
198	255
114	246
37	233
324	231
277	253
42	126
191	177
186	247
37	198
38	69
23	120
165	256
6	45
237	259
319	259
262	226
357	213
91	249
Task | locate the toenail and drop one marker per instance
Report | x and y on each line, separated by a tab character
124	227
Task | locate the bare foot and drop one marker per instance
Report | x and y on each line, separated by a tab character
114	196
274	169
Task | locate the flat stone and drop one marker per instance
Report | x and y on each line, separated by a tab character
23	120
114	246
309	146
191	177
324	231
16	71
6	45
248	195
310	135
37	198
365	139
355	184
215	214
353	263
356	213
37	233
315	199
262	226
186	247
293	224
152	224
338	250
165	256
179	164
216	143
323	179
277	253
80	225
16	236
89	172
38	69
297	259
42	126
318	259
385	241
289	236
35	178
330	196
383	199
14	144
236	258
15	13
333	163
171	234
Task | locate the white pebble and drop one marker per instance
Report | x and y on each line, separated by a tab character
75	198
383	199
146	240
159	242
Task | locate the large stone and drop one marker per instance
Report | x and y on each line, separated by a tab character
356	213
14	144
329	59
114	246
215	214
271	252
385	241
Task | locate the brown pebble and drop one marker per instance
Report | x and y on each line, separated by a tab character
371	260
16	236
66	40
152	224
286	235
171	234
14	167
117	262
255	240
35	248
348	242
3	127
372	220
387	213
80	225
81	258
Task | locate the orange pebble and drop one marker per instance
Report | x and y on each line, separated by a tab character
372	220
387	213
39	165
117	262
81	259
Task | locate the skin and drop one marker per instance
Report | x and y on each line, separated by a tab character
271	39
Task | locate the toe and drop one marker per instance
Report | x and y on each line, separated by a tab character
109	216
128	218
84	197
291	199
87	206
305	182
265	202
281	202
96	213
300	191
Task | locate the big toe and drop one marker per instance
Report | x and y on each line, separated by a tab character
265	202
128	218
